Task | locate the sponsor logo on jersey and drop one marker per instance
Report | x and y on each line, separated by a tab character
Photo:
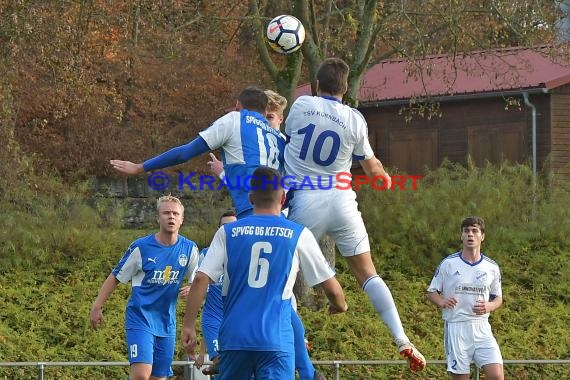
481	277
165	277
472	289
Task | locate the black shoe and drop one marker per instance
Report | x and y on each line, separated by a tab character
212	370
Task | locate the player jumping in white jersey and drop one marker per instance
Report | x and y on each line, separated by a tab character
324	137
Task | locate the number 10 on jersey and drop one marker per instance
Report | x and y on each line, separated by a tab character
320	141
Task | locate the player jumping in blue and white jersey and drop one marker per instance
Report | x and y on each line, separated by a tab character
259	257
156	265
275	116
246	139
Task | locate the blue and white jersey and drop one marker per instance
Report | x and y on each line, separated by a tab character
212	309
259	257
324	138
468	283
156	273
247	142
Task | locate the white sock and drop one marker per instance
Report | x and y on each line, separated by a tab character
382	300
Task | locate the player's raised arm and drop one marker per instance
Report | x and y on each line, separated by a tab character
172	157
127	167
215	166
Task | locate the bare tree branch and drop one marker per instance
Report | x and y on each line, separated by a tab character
260	41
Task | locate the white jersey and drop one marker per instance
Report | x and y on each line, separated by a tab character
325	136
467	282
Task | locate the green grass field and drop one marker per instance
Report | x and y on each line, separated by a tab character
57	247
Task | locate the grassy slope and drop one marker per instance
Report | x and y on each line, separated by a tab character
55	255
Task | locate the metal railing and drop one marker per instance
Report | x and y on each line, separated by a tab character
338	363
335	364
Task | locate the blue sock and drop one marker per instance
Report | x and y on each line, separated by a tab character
303	363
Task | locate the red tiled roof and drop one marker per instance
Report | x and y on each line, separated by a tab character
513	69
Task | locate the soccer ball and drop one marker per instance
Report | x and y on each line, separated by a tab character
285	34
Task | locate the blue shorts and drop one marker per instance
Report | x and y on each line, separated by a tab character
210	332
264	365
144	347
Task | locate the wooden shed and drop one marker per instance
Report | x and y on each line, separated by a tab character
509	104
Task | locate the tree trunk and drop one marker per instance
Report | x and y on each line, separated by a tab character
315	298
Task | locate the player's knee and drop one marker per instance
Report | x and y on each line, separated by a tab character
362	268
140	371
370	280
493	372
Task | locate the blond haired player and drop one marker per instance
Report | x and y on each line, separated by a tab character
156	265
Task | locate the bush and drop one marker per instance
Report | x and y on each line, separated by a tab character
57	247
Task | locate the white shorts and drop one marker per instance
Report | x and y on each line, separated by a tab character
470	341
331	212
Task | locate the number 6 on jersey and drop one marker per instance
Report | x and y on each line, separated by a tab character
259	266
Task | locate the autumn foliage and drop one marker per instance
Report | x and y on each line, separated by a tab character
97	80
93	80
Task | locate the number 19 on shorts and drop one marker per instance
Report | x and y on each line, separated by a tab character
133	351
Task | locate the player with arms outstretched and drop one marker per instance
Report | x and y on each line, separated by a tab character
246	139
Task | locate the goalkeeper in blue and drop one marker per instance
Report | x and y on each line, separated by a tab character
467	287
156	265
259	257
